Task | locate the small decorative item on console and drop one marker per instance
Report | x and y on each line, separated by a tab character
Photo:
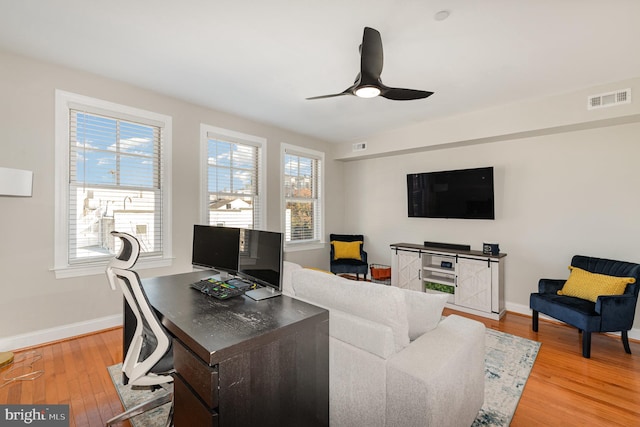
490	248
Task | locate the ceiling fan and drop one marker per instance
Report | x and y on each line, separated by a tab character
368	83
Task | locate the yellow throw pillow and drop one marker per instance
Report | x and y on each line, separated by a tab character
346	250
318	269
586	285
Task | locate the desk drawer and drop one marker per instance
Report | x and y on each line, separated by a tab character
188	410
202	378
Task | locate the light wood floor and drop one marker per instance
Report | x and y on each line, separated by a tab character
564	389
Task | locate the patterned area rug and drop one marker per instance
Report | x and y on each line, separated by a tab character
508	362
131	397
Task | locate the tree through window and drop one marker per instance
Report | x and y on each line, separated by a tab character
302	193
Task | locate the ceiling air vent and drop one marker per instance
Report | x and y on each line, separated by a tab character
359	146
609	99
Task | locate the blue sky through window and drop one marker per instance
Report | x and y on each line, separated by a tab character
232	168
114	152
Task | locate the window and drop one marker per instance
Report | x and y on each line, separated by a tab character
233	190
303	201
111	174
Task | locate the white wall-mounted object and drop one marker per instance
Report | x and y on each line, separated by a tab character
359	146
609	99
15	182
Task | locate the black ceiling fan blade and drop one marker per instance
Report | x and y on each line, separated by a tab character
333	95
371	56
347	91
399	94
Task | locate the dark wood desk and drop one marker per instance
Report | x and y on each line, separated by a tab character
241	362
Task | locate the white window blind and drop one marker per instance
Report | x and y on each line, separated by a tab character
302	196
233	182
114	184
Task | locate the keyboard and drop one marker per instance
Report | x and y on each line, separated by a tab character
217	288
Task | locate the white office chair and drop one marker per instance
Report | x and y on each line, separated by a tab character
149	360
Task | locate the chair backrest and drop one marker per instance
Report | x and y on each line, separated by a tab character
346	238
611	268
150	342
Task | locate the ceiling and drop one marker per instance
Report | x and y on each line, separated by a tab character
261	59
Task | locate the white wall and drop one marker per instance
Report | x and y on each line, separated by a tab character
559	191
556	196
34	306
548	115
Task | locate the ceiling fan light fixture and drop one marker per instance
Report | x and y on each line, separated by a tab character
367	92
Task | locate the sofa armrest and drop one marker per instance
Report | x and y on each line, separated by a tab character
438	375
550	286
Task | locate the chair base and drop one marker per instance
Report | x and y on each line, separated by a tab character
586	337
586	344
357	275
624	335
144	407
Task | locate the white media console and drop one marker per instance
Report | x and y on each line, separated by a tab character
473	280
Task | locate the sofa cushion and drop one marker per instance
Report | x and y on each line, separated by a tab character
377	303
424	311
372	337
586	285
578	312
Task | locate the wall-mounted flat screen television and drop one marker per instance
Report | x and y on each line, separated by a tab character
216	247
463	193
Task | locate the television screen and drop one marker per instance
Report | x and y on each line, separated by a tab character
465	193
216	247
261	257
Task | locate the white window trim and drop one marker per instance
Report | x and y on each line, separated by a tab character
303	246
61	267
240	138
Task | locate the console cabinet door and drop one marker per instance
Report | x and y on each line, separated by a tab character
474	284
406	269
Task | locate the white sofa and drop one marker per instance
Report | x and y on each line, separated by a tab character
393	361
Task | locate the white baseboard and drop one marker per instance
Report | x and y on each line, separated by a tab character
58	333
524	309
74	329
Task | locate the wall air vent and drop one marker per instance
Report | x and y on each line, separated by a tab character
609	99
359	146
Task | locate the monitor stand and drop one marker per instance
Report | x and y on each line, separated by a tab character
262	293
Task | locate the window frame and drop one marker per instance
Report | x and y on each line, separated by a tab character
64	101
319	241
238	138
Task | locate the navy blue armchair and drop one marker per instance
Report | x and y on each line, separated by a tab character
610	313
349	265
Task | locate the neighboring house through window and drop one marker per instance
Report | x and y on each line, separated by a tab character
232	172
112	173
303	205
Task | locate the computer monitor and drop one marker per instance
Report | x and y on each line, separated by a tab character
216	247
261	260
